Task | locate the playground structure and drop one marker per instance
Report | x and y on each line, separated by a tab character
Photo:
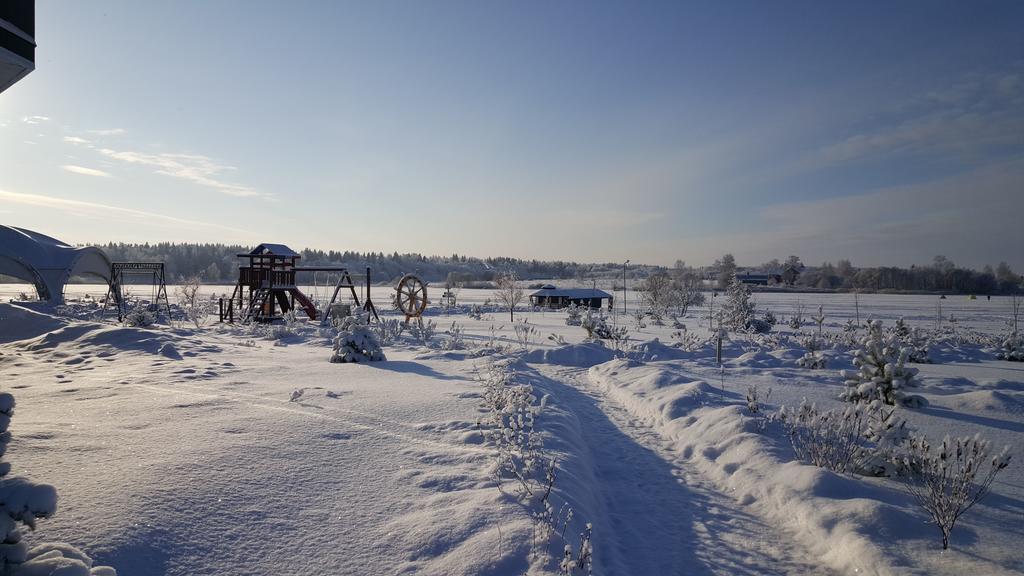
115	290
268	285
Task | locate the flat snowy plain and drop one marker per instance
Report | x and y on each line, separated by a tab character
223	451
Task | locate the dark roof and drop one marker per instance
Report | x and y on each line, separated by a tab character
573	293
274	250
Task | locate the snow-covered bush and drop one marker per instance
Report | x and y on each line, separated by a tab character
813	359
1012	349
193	306
139	317
24	502
797	319
738	309
769	318
356	342
754	399
389	330
859	439
918	344
951	478
423	331
456	337
573	315
881	372
525	333
509	426
688	341
475	312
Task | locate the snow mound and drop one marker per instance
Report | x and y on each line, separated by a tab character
845	520
18	323
756	359
579	355
988	401
654	350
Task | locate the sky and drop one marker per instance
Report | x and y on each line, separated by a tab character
880	132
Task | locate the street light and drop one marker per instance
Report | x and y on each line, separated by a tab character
624	286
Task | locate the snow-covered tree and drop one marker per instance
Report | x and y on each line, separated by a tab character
22	503
738	309
574	315
881	372
356	342
509	293
196	309
726	270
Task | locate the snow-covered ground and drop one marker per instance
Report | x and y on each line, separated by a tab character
222	450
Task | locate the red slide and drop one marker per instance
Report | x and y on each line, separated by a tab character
304	302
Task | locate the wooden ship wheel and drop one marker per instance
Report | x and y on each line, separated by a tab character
412	296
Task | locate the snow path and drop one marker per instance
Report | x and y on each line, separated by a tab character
664	519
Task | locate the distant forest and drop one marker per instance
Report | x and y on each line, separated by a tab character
217	263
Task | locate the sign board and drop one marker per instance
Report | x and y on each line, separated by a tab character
147	266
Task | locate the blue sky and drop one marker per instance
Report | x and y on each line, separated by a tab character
881	132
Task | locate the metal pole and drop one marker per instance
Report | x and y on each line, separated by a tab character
624	286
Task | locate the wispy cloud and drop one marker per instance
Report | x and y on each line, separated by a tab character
194	168
76	140
106	212
979	116
35	119
108	132
85	171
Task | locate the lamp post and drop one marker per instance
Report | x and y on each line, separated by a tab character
624	286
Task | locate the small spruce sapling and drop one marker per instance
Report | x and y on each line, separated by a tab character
881	372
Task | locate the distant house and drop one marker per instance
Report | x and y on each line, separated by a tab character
759	279
551	297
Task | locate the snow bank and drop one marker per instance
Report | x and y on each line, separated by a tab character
579	355
19	323
846	521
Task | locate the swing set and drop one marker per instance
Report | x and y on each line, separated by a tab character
115	290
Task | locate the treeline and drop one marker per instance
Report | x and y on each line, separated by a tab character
941	276
218	263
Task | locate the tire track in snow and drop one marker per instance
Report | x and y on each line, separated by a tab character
667	519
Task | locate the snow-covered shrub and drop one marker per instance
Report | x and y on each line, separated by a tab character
738	309
754	400
917	344
525	333
769	318
573	315
423	331
558	339
813	359
797	319
509	426
193	306
139	317
859	439
638	317
456	337
389	330
356	342
1012	349
945	480
881	372
688	341
24	502
758	326
475	312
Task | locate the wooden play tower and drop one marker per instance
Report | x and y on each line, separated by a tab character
266	286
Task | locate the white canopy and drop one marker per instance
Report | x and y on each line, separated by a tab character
47	262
